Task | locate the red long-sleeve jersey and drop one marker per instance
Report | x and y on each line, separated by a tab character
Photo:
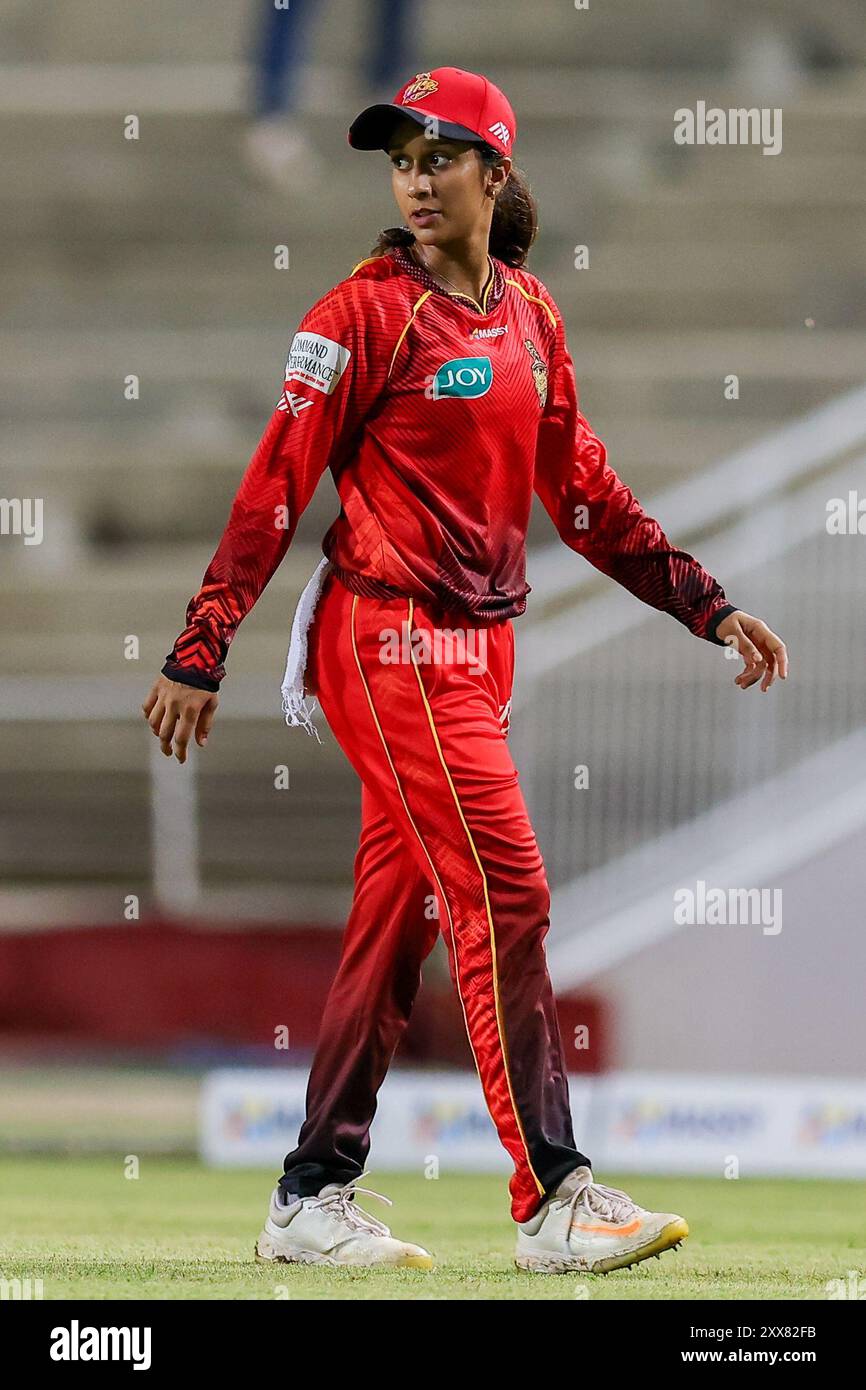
438	417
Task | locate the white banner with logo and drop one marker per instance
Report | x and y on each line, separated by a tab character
626	1121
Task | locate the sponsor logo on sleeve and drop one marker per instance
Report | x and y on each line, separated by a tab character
466	377
292	403
318	362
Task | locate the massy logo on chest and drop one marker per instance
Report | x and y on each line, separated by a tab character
467	377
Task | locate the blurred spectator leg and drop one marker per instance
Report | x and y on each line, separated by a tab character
389	54
276	146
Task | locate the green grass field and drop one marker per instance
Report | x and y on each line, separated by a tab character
182	1231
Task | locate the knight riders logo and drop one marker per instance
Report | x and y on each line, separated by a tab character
421	86
539	370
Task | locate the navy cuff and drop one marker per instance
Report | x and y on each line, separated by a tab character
187	675
718	618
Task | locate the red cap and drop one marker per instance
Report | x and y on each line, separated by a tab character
465	105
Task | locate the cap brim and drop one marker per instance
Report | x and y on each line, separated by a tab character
372	129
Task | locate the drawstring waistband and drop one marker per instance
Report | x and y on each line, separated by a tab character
298	708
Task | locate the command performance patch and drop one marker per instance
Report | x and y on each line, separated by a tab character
318	361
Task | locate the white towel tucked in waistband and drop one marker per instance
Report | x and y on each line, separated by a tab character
298	709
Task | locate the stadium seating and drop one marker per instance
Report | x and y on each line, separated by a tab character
155	258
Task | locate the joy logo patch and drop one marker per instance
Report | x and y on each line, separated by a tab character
467	377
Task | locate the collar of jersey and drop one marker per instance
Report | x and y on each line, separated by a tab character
493	290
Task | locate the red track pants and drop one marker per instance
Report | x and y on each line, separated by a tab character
444	820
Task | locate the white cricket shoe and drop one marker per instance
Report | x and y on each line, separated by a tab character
587	1227
331	1229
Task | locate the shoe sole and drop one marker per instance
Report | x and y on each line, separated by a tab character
669	1237
314	1257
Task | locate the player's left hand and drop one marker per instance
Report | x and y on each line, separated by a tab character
763	652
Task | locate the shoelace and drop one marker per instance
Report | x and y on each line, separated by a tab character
342	1203
609	1203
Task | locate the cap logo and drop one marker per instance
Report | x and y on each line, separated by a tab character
501	131
421	86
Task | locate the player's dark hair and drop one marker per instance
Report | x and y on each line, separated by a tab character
515	218
515	214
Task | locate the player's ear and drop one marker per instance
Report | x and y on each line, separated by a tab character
497	177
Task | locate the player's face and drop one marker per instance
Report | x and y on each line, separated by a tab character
439	185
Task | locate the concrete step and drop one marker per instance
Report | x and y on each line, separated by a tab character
719	283
630	36
611	93
186	184
119	500
109	504
739	223
129	593
89	369
248	831
185	181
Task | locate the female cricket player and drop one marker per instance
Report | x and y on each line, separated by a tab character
436	384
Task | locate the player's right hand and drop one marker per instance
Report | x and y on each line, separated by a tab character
175	711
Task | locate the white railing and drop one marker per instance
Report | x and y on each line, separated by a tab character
689	777
743	479
755	838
